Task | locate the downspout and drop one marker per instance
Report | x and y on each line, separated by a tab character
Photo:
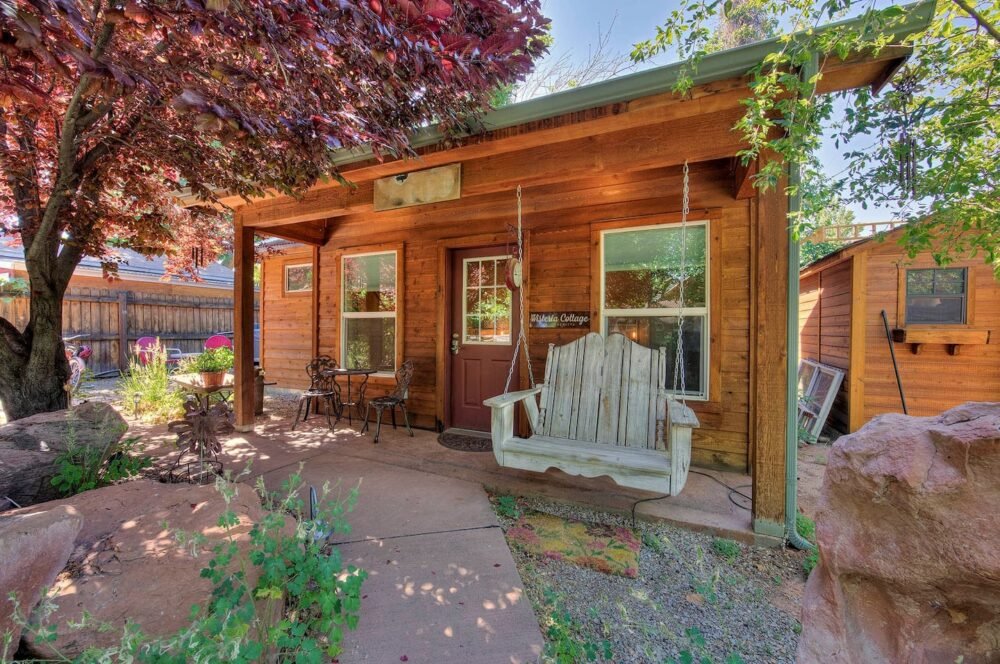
792	361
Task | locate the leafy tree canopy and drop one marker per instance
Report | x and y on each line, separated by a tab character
107	107
925	148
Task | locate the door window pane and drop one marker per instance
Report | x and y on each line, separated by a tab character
487	306
643	269
370	343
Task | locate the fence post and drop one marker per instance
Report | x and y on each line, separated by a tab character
122	331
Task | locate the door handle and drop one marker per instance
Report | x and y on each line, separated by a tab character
455	345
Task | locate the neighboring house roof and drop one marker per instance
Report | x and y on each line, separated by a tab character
849	250
133	266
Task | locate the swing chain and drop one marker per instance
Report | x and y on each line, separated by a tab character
522	335
679	376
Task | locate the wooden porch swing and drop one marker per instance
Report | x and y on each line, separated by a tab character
604	407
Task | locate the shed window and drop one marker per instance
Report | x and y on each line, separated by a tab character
643	269
936	295
369	311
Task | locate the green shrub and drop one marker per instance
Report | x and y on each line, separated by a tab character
807	529
82	468
564	643
726	548
213	360
300	577
146	393
507	506
810	561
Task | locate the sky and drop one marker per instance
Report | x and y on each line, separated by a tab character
577	24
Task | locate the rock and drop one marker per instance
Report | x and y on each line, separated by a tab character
907	524
34	548
127	565
30	447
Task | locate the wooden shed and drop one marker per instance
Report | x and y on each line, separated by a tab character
943	321
409	263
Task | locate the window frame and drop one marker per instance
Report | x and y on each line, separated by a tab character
966	296
465	301
302	291
360	315
703	311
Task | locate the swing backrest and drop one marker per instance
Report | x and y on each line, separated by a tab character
610	391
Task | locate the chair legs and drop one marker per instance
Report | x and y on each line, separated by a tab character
378	422
306	405
406	418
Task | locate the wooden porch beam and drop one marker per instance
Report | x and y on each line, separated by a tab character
743	187
311	233
697	139
768	353
243	262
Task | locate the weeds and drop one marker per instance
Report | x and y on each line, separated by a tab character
726	548
564	644
507	506
145	391
82	467
807	529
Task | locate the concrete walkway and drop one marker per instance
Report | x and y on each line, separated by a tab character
442	586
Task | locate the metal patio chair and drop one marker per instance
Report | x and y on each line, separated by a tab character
322	389
398	398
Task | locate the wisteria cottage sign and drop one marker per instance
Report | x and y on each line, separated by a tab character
560	319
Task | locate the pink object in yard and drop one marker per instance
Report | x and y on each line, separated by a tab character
217	341
145	347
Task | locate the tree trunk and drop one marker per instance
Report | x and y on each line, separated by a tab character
33	380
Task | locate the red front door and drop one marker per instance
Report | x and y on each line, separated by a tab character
483	331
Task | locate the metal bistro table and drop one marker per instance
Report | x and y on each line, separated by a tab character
358	400
191	383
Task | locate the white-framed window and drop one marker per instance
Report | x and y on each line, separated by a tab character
642	269
486	307
299	278
368	311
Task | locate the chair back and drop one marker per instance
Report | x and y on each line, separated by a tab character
318	379
218	341
145	347
404	374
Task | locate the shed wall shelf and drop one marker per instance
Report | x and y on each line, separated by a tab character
953	338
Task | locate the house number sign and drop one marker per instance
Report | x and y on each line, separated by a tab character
560	319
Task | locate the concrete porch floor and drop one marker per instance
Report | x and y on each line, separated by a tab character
704	504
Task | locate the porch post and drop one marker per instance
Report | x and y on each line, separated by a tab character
769	353
243	261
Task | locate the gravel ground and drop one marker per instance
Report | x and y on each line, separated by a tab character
747	606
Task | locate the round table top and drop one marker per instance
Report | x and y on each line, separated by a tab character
350	372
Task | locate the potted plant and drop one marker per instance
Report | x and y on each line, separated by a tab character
213	365
11	287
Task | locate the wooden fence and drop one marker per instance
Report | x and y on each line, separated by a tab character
113	321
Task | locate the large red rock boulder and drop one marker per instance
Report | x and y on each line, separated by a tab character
34	548
30	448
908	526
128	564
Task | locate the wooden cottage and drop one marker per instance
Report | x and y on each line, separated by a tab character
944	322
410	263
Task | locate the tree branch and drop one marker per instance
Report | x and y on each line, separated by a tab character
979	19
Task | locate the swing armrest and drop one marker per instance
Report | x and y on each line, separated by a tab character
511	398
680	415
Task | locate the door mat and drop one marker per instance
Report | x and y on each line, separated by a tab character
466	441
608	549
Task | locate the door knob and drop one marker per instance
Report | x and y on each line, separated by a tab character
455	346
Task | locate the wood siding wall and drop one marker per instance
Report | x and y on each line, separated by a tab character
558	219
933	380
287	333
825	303
175	315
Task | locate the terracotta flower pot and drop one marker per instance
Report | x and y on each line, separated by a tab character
213	378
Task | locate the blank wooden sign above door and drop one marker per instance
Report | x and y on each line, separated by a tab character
432	185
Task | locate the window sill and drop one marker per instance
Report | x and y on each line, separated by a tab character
952	336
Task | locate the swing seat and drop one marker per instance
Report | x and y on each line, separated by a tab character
604	410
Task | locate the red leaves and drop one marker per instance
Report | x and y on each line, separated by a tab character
211	95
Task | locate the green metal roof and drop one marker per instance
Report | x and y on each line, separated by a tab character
714	67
